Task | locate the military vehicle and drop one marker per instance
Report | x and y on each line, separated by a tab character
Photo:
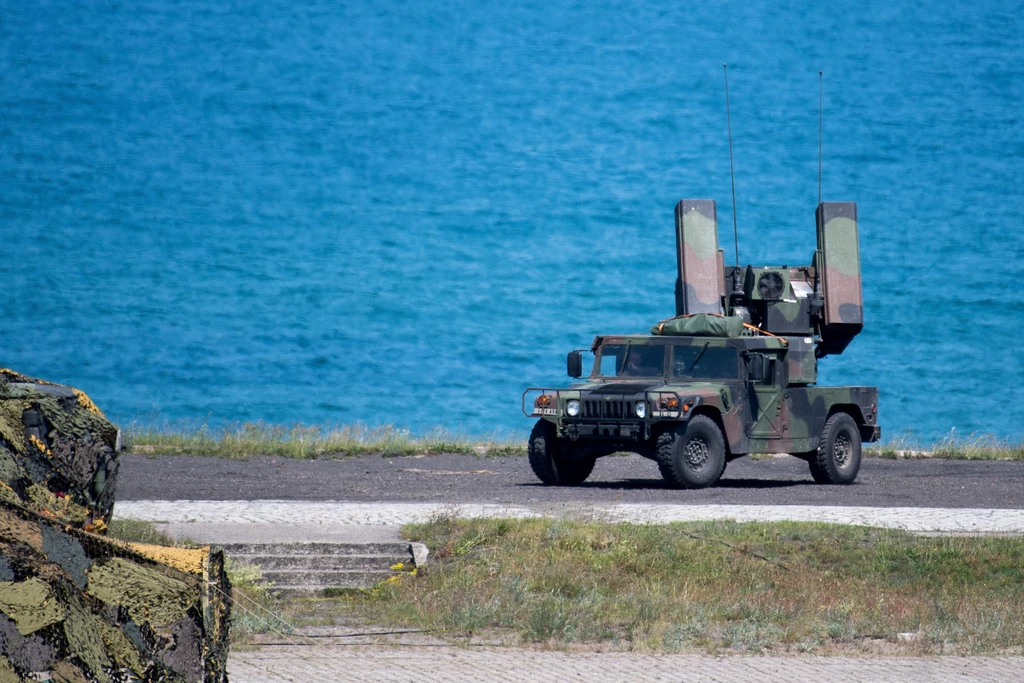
733	373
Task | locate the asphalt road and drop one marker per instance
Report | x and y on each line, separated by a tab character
620	479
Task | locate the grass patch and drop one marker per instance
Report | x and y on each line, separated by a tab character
245	440
952	446
715	587
314	441
138	531
256	608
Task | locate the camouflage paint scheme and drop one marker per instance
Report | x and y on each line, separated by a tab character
57	450
777	416
837	230
76	605
807	312
839	256
699	285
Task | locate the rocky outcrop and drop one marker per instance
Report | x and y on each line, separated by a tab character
75	605
58	452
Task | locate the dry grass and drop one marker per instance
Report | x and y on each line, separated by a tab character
314	441
952	446
138	531
250	439
715	587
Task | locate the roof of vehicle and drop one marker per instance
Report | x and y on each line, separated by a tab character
751	342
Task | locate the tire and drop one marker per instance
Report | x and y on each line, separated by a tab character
553	460
692	457
837	459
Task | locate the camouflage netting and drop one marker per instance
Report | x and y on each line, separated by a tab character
76	606
58	452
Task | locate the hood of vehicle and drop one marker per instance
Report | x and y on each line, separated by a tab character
620	387
695	388
692	388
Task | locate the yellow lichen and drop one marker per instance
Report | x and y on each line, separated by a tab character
86	402
18	377
15	375
188	560
96	526
38	443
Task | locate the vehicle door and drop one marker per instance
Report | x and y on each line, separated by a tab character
766	397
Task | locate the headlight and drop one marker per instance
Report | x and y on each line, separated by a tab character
641	409
573	408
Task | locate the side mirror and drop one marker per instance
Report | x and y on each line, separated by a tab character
574	364
756	367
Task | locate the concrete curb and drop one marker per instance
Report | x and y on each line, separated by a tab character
369	519
419	554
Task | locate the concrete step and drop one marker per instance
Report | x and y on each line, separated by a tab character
352	578
324	562
299	591
310	568
315	548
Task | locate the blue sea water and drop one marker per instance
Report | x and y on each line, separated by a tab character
408	212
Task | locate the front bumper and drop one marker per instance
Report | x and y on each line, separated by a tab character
635	431
604	416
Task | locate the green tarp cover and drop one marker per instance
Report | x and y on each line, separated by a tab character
700	325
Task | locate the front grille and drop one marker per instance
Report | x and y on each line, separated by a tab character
615	409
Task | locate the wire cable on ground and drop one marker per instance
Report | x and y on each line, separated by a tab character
292	640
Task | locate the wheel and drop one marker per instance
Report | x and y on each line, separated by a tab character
837	459
692	457
554	461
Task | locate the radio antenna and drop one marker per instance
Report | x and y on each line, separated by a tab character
820	100
732	171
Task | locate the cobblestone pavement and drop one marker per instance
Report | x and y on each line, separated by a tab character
918	519
451	664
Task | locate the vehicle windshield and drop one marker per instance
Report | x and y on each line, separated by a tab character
631	360
705	362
